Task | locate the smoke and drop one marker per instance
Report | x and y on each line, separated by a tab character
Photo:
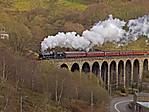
111	30
138	27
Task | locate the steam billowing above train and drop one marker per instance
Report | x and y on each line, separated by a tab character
111	30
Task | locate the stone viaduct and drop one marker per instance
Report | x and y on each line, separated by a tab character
114	71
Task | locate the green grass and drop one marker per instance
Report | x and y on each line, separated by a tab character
79	1
128	10
22	5
71	5
139	44
27	5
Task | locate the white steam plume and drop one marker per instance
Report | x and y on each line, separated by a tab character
138	27
108	30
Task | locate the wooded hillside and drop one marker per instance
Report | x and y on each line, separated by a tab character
29	21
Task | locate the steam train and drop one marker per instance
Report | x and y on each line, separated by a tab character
83	54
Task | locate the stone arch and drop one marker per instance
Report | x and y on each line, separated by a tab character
136	69
95	68
86	67
113	78
145	69
75	67
128	71
104	72
121	73
65	66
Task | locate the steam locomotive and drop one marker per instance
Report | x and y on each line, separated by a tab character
83	54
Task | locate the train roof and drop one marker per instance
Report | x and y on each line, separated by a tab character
75	52
95	51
